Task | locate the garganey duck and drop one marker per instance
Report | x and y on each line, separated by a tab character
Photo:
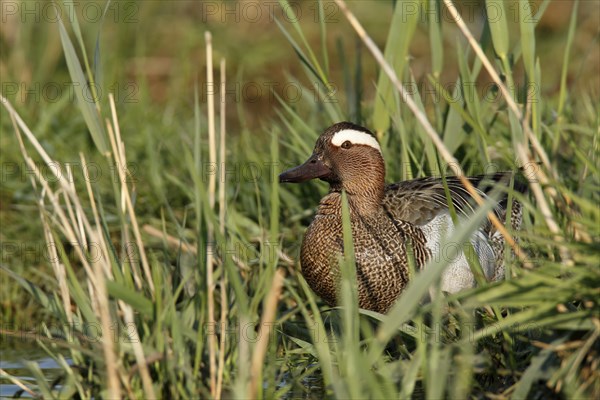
384	217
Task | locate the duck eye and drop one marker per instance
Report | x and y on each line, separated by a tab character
347	144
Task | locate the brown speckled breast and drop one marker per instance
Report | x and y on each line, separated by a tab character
380	253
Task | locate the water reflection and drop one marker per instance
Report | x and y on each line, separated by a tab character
13	357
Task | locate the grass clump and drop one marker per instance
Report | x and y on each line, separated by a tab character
170	278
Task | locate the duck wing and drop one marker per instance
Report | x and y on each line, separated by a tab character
418	201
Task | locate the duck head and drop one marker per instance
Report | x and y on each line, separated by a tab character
348	157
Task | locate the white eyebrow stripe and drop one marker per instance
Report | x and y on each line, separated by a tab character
354	137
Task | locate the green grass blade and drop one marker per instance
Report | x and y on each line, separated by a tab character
312	59
467	78
323	33
89	112
497	21
348	291
566	59
139	302
454	134
434	21
527	24
402	29
77	31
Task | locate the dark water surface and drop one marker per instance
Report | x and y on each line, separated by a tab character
13	359
20	357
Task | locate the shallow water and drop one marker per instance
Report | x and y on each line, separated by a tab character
14	356
12	360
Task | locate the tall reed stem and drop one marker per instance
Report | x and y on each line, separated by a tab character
212	156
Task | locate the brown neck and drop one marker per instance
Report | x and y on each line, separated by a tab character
365	193
366	201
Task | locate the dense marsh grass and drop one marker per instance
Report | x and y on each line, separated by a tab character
166	278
